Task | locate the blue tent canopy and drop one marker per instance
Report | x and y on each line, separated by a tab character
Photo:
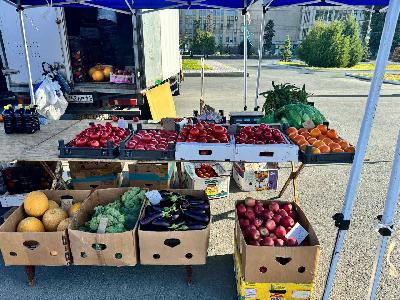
193	4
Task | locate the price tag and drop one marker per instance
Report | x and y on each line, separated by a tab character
154	197
301	294
66	202
297	232
102	225
309	124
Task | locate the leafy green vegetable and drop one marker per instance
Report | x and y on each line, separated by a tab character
296	114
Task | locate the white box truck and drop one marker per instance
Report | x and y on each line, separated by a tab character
79	38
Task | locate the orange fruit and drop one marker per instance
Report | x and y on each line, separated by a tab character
344	144
332	134
334	146
302	130
323	128
318	144
315	151
315	132
327	141
350	149
293	135
312	140
298	139
291	130
303	146
324	149
337	140
305	134
321	137
337	150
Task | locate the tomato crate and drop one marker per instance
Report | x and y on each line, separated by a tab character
67	151
307	157
266	152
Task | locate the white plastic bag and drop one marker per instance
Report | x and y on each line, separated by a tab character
50	100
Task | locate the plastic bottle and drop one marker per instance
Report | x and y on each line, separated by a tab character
9	121
35	117
19	119
31	119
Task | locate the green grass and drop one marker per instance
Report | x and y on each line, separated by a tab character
193	65
388	76
361	66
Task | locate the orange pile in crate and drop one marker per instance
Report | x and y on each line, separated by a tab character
321	138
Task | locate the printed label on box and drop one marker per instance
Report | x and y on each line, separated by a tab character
301	294
154	197
250	293
297	232
66	202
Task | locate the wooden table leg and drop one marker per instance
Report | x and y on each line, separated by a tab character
180	174
296	184
292	177
30	272
189	275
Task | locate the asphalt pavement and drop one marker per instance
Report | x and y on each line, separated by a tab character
322	190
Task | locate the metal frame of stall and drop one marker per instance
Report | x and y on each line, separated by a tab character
342	220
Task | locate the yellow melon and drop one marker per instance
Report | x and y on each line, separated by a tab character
30	224
53	204
107	71
73	209
98	75
64	224
36	204
53	217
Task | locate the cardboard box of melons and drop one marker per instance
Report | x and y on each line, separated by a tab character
36	232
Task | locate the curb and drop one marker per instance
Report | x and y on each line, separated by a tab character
365	78
214	74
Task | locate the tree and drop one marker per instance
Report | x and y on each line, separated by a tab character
286	54
250	49
269	33
326	45
352	30
203	42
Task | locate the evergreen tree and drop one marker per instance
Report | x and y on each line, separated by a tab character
269	33
286	54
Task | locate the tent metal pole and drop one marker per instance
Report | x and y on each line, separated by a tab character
26	50
245	58
342	220
386	223
260	56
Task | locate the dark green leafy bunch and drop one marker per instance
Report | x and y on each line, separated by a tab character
283	94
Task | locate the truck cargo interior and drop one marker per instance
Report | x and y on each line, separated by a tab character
99	38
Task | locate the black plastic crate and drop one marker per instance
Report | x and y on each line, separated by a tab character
245	117
307	157
131	154
66	151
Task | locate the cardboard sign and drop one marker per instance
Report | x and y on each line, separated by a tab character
297	232
102	225
154	197
66	202
309	124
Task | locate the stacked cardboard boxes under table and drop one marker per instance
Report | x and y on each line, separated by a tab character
267	273
255	176
99	175
156	176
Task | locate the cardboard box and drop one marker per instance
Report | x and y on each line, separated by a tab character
156	176
256	176
268	291
75	167
215	187
284	264
37	248
97	182
108	249
175	247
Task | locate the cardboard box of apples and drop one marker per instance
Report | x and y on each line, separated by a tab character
276	242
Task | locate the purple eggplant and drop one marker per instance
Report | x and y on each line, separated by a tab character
196	216
185	204
175	216
147	219
199	206
197	201
195	226
161	223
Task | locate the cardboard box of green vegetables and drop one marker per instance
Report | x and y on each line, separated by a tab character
104	231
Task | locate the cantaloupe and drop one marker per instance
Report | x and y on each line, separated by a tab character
53	204
53	217
73	209
30	224
98	75
36	204
107	71
64	224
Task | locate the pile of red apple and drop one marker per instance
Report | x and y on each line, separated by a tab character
262	134
205	171
97	136
204	132
151	140
266	223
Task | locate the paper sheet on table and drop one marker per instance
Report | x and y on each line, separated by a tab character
161	102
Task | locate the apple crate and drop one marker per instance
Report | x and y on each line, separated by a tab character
116	78
266	152
66	151
195	151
